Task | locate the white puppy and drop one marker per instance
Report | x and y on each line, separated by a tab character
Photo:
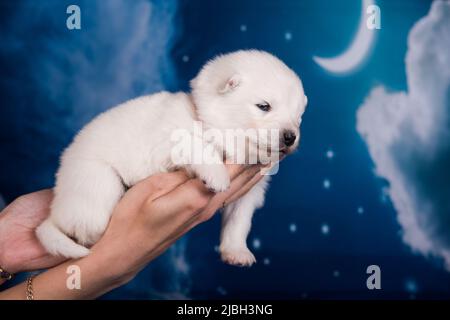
245	89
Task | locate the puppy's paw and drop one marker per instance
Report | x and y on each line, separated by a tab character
215	178
241	257
217	184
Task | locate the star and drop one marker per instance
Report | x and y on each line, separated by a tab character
243	28
185	58
256	243
266	261
222	290
325	229
288	36
329	154
411	286
360	210
326	184
293	227
336	273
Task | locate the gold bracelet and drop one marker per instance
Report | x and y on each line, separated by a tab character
30	292
5	275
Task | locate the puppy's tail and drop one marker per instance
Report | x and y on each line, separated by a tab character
57	243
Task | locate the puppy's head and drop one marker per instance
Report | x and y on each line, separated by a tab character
251	90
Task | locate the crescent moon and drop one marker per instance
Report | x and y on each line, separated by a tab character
356	52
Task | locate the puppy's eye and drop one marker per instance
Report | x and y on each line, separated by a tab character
264	106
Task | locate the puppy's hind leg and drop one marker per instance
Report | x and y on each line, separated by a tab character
85	196
236	223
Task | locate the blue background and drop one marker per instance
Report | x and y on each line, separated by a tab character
54	80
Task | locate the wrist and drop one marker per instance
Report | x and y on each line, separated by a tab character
111	269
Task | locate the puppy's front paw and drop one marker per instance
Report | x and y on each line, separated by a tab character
241	257
215	178
217	185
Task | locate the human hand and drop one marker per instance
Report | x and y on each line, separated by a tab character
20	249
154	213
147	220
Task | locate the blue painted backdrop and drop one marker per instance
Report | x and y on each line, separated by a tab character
327	215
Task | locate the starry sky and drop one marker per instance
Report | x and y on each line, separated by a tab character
331	210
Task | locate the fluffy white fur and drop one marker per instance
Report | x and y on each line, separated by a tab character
132	141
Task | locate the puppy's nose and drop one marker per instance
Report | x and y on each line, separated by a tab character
289	137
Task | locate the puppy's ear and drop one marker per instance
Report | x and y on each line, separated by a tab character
231	84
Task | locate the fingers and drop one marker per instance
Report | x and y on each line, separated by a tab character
152	188
35	204
191	203
237	184
184	201
183	204
242	191
160	184
235	169
188	195
244	179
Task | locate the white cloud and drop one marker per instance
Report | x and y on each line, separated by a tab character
408	137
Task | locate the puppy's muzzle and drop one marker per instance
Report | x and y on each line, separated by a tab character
289	138
288	141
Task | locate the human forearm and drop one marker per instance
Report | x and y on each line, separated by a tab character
95	279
